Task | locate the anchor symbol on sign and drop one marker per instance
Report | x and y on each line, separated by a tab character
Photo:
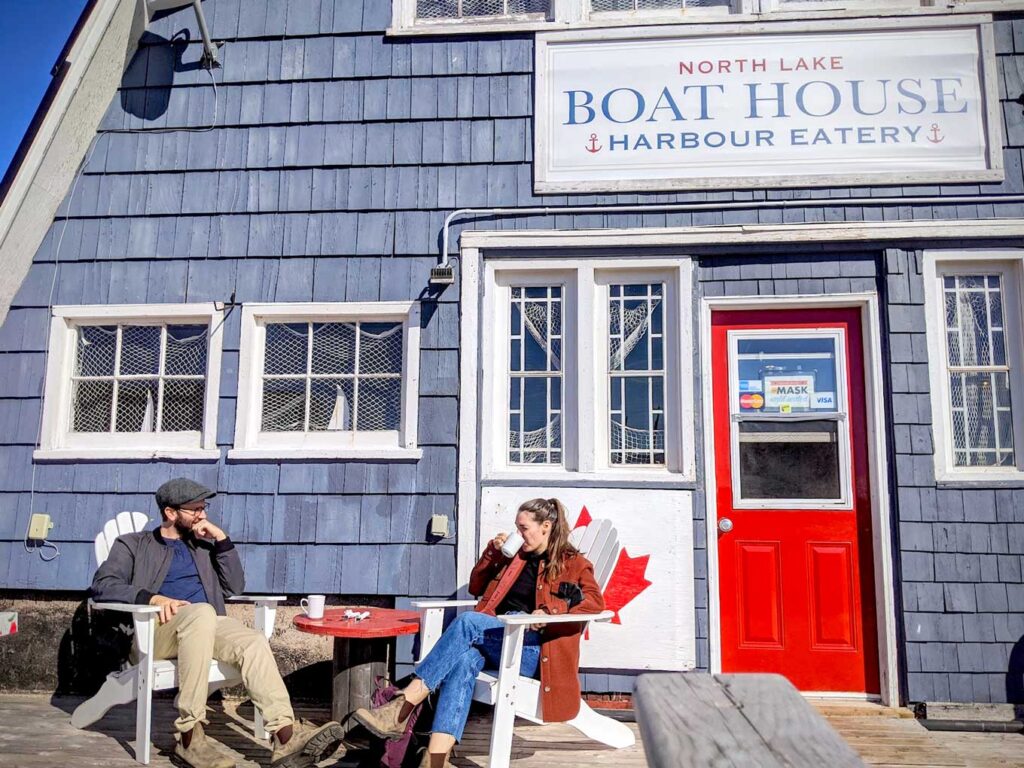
936	136
593	144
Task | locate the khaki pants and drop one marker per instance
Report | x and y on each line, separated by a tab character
195	636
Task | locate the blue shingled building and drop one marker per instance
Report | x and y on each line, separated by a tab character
737	280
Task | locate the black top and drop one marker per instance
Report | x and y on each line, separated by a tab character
522	598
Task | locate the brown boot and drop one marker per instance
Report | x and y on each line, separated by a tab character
383	721
308	745
426	762
200	752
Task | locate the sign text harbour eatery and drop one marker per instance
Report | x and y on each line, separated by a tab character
774	109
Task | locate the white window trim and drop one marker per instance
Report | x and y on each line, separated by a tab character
57	442
1009	264
252	444
845	500
577	14
585	427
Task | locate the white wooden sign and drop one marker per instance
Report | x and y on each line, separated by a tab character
838	107
650	585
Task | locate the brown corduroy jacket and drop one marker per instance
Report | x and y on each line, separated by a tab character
492	578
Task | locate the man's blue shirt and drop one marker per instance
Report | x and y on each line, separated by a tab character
182	581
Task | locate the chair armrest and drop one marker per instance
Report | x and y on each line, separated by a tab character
257	599
432	620
265	608
565	618
125	607
428	604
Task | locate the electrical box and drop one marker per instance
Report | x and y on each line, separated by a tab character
39	527
439	526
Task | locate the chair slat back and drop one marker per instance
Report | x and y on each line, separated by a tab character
125	522
599	541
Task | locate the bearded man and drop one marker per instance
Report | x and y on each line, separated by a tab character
186	566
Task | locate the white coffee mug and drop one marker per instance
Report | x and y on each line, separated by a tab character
313	606
512	544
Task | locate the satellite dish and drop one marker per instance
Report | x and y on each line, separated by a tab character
209	59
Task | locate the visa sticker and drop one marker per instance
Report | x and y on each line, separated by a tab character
751	385
823	400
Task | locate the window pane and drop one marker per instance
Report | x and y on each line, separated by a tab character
982	419
136	405
789	460
330	405
787	375
284	405
538	429
95	353
535	346
286	351
183	405
975	321
454	9
186	350
91	404
380	348
334	348
380	404
140	350
635	343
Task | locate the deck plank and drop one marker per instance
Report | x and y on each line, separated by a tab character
37	734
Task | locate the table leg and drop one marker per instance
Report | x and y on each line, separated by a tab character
357	663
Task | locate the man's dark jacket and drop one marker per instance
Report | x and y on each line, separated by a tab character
138	563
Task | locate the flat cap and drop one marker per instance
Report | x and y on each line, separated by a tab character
181	490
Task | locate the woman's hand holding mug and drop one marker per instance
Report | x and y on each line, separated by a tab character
498	540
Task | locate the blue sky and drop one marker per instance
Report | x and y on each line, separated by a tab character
31	36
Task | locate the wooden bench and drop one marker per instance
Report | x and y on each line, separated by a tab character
697	719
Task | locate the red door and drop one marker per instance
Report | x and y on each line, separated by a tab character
793	498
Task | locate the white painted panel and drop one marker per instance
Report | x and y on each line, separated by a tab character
650	585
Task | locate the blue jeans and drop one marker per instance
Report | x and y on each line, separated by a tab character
470	643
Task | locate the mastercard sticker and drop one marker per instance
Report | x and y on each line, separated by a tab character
752	401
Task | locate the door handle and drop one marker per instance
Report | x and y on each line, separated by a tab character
725	525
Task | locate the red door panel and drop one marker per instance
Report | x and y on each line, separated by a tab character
796	583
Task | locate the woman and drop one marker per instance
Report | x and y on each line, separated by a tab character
547	576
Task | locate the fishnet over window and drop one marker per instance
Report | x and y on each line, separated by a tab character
636	368
463	9
139	378
332	377
979	376
600	6
535	376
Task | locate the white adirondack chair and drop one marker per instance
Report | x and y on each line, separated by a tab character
137	683
513	695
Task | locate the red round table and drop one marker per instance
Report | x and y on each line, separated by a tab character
363	650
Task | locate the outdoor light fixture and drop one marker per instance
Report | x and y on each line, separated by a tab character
209	60
442	275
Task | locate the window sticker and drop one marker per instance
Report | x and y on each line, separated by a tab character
751	385
824	400
751	401
788	392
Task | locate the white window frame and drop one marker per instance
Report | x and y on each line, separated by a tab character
838	337
1009	264
577	14
585	427
58	442
813	6
253	444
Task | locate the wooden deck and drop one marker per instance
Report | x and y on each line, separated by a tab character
36	733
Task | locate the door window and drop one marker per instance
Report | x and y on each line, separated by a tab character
787	392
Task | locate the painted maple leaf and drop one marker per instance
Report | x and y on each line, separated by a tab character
628	578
